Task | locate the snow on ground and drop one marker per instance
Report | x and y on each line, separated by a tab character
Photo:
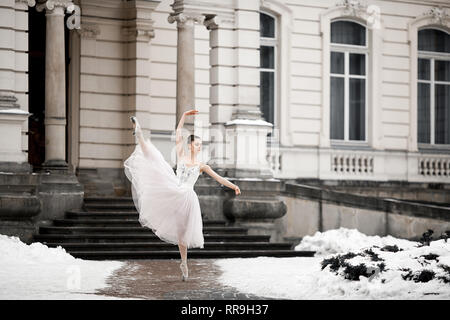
303	278
38	272
344	240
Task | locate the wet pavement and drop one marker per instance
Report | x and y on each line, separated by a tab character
161	280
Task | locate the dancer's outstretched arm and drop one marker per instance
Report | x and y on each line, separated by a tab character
206	168
179	136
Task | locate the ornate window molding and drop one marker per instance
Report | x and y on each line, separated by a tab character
436	18
369	16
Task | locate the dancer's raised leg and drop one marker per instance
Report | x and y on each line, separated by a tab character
140	138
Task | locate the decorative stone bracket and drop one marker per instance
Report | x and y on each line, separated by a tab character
139	32
89	30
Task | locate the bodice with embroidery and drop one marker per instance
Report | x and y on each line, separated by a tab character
187	175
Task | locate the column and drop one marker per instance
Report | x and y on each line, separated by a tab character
247	62
222	79
55	86
247	131
185	64
138	31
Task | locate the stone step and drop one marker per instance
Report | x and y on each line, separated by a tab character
108	228
125	209
107	199
75	214
17	189
109	206
96	223
192	254
146	246
139	237
124	222
120	230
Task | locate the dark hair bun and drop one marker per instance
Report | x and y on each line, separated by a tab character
192	137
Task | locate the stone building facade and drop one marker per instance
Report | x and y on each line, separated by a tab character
347	90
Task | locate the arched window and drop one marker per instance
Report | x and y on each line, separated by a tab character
348	81
433	87
268	66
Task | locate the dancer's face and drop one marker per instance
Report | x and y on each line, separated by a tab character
196	145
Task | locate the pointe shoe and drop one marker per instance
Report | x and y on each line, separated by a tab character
134	120
184	270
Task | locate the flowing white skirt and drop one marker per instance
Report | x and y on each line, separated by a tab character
171	211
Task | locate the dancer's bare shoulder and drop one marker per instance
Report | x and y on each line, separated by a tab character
201	165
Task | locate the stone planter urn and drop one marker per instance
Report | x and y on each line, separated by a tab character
256	207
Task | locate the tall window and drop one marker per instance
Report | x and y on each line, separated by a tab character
433	87
348	81
268	52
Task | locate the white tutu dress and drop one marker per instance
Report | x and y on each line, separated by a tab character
167	203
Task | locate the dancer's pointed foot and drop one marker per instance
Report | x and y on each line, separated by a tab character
184	270
134	121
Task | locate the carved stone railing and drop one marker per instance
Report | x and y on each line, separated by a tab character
434	167
352	164
274	159
273	155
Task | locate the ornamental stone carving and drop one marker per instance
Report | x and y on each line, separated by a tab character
30	3
52	4
138	32
439	16
73	22
89	30
183	19
210	22
8	102
352	7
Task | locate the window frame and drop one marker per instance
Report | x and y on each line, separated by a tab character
432	57
272	42
285	25
347	49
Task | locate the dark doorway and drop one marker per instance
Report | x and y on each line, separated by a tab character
36	86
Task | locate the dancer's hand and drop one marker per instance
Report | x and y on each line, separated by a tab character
237	190
190	112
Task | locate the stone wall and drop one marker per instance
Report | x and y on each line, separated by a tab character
30	200
312	209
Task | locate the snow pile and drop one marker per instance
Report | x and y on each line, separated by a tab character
350	265
344	240
38	272
12	250
393	266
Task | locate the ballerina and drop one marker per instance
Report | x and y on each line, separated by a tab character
167	203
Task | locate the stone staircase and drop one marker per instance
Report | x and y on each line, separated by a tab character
108	228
